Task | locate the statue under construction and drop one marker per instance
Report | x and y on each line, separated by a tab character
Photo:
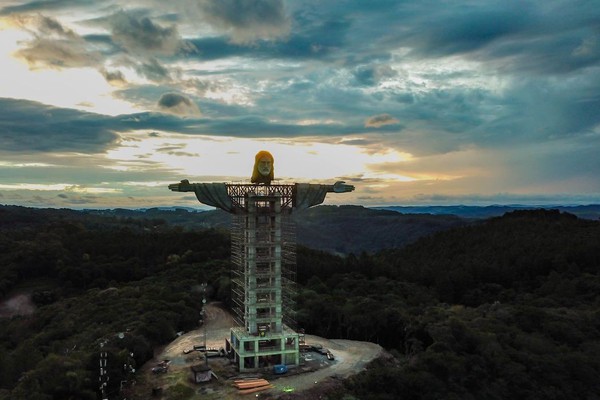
263	253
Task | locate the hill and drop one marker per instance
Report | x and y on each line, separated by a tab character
591	211
505	308
335	229
122	285
354	229
499	308
351	229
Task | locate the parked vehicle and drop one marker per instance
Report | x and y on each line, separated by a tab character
280	369
159	369
162	367
320	349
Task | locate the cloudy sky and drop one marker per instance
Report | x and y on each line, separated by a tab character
103	103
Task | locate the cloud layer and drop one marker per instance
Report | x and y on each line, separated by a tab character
475	99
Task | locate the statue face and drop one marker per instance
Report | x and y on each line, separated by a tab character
264	166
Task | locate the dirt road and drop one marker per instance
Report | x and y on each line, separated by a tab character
217	322
351	357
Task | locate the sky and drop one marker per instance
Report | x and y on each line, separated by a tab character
104	103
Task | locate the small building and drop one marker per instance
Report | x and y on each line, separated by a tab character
202	373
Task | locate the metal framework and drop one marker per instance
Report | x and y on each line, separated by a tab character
239	194
263	253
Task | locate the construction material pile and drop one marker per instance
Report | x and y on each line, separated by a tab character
247	386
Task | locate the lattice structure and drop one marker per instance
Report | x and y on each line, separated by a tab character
239	194
263	253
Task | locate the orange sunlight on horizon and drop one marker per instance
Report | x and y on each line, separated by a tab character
233	158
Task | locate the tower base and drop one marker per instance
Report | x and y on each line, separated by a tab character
251	352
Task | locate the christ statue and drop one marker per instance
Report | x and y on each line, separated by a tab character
216	194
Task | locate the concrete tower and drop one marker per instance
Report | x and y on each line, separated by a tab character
263	254
263	279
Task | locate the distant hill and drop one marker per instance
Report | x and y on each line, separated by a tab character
354	229
591	211
335	229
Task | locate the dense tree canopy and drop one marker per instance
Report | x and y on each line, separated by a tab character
504	308
93	279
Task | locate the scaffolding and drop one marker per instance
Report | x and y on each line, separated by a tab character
263	253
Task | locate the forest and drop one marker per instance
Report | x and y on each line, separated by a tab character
335	229
500	308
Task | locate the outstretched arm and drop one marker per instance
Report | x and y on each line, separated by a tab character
211	194
312	194
183	186
341	187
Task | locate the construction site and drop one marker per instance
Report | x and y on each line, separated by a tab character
315	371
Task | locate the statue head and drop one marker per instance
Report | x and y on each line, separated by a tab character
263	168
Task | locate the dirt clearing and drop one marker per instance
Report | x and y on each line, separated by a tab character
350	357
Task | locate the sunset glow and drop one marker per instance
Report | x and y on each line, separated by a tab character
104	106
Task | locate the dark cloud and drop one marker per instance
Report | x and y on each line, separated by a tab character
82	168
308	45
31	126
541	109
466	28
51	26
153	70
372	74
55	46
247	20
251	126
527	36
114	77
380	120
547	54
171	148
178	104
169	100
313	40
551	37
43	5
27	126
53	53
555	38
309	40
140	35
183	154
